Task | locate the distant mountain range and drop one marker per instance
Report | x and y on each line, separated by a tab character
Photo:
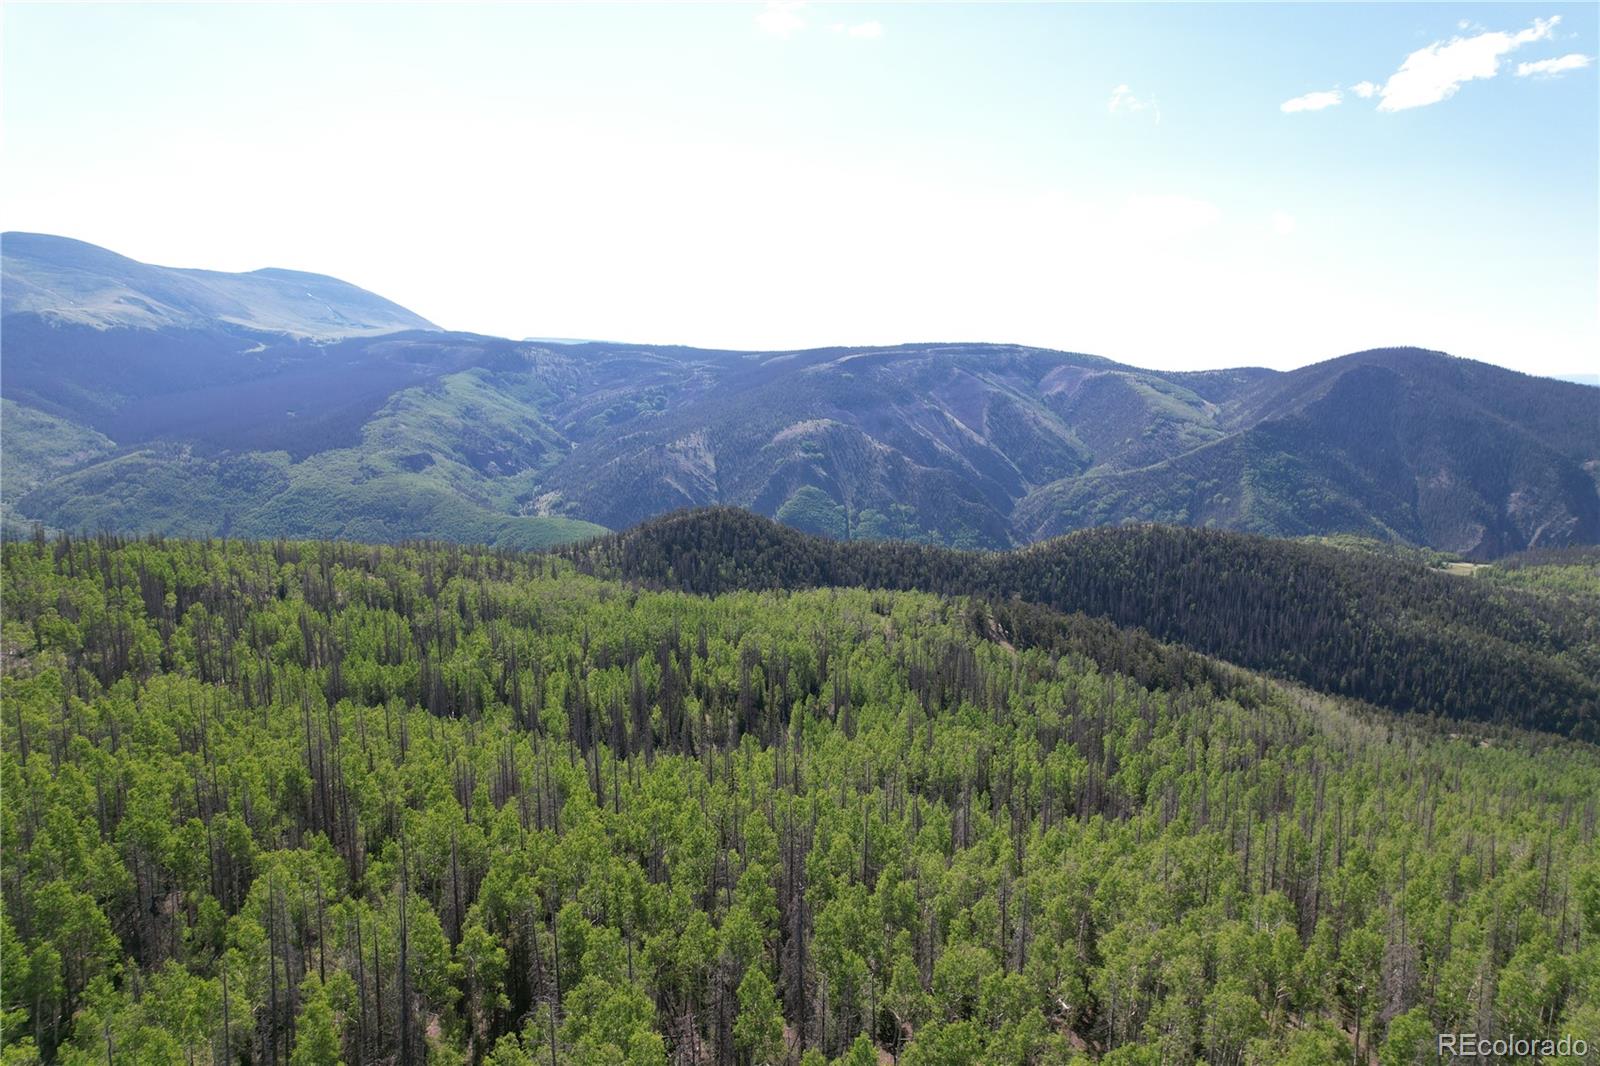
67	282
275	403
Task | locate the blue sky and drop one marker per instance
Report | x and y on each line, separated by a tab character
1171	185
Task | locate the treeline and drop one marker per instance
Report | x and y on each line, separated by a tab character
314	803
1387	631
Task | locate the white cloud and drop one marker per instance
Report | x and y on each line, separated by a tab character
1283	223
1434	73
781	18
1366	89
1164	216
865	30
1312	101
1549	68
1124	101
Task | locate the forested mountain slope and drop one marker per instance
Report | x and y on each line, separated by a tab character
1386	630
288	404
1401	444
322	802
268	403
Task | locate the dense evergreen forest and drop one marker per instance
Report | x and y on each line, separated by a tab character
312	803
1383	629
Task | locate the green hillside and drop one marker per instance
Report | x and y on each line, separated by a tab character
1377	627
37	447
445	460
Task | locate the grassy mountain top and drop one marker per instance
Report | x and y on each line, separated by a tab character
73	282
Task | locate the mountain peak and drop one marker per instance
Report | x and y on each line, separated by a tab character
68	281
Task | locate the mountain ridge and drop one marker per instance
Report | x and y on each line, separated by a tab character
969	444
67	280
1387	630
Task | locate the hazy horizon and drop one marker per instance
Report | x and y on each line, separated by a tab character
910	342
1182	188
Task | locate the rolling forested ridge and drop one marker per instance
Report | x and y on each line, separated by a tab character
1384	629
318	802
